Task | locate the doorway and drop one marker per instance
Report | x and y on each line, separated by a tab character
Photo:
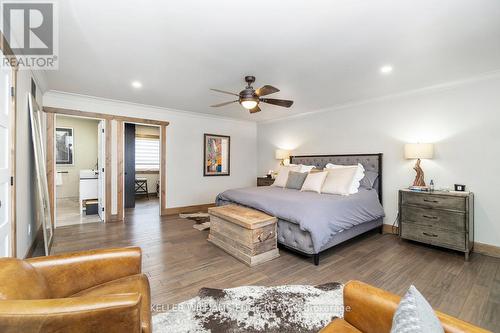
79	180
141	167
112	189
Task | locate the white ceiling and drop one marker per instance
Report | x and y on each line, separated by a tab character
319	53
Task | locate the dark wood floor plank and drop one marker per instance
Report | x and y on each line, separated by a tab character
179	261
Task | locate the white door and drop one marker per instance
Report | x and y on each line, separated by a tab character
5	161
101	186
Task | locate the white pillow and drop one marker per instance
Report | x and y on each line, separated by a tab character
306	168
282	177
356	181
314	181
343	180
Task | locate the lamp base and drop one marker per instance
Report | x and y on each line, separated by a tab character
419	178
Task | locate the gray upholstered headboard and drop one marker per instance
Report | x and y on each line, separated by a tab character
371	162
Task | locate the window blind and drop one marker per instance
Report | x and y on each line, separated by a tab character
147	154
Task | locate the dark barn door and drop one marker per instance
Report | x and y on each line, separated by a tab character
129	186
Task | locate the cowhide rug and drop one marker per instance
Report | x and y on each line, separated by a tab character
254	309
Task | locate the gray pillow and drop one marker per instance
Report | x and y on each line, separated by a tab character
295	180
415	315
369	180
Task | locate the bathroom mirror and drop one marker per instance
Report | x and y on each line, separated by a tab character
42	190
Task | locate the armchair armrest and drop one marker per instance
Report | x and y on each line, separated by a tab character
370	310
99	314
69	273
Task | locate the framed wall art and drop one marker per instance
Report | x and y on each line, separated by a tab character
216	155
64	146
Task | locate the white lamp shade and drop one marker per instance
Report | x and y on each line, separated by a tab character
419	150
282	154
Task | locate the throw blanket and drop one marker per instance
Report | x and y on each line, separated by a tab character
322	215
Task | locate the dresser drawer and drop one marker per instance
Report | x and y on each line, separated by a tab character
433	218
446	238
434	201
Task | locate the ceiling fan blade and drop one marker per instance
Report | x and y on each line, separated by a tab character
255	109
279	102
222	104
266	90
225	92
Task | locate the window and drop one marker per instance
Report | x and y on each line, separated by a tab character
147	154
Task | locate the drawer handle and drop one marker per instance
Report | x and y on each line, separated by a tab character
430	217
268	236
430	235
433	201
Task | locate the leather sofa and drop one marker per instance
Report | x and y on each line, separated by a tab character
370	310
91	291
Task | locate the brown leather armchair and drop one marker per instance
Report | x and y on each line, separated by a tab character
370	310
91	291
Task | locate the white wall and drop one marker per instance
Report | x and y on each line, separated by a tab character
185	182
463	120
84	154
26	223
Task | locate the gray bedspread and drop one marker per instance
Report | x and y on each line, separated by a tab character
322	215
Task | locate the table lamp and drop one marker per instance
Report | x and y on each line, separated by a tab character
419	151
283	155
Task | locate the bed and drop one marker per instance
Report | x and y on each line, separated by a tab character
310	223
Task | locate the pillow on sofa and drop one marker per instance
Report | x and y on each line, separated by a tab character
295	180
415	315
314	182
282	176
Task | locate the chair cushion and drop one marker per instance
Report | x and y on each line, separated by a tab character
415	315
131	284
21	281
340	326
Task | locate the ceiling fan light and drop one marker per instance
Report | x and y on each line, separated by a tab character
249	104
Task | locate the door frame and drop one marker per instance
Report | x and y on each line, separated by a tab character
51	123
119	123
162	172
7	52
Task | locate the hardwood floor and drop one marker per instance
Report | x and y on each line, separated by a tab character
179	261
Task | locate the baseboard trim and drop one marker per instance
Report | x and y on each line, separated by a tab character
387	229
188	209
486	249
38	239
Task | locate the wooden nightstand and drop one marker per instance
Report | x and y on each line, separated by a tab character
438	218
264	181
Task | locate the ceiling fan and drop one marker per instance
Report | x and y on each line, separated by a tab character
250	98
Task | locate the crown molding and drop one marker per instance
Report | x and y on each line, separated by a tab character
409	93
157	109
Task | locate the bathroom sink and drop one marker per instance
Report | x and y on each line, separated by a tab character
88	174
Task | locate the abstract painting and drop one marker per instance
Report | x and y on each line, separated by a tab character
216	155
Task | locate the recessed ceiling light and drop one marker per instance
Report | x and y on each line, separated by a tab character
386	69
136	84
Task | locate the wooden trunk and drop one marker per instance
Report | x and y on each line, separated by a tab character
247	234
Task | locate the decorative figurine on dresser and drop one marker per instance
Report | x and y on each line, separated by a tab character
438	218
